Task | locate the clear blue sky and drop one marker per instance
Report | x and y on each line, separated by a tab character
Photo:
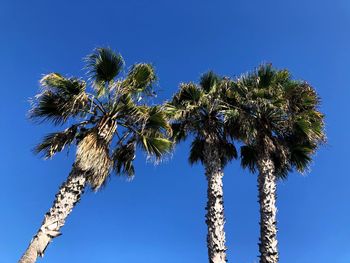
159	216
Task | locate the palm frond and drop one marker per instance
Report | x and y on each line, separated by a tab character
49	106
227	152
249	158
209	81
60	99
123	157
281	169
197	151
157	120
56	142
64	86
301	150
186	105
189	94
155	146
303	107
103	66
125	107
140	79
281	159
265	74
179	131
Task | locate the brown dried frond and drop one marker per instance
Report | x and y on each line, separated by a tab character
93	152
93	157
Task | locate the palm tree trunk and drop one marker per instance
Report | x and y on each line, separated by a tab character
215	217
267	201
66	198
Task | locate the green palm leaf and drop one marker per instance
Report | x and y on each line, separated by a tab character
140	79
188	95
103	66
120	116
209	81
156	146
60	99
123	158
56	142
267	103
157	120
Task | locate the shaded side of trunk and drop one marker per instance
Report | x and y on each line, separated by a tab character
215	217
267	200
66	198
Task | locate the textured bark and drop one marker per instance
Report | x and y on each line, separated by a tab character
66	198
92	166
215	217
267	200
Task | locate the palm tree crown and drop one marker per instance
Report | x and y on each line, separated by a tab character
272	113
112	107
197	110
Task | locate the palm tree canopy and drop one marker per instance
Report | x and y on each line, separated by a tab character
271	112
196	110
109	105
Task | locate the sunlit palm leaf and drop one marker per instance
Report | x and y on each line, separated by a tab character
140	79
275	106
125	107
157	120
64	86
209	81
103	66
60	99
156	146
188	95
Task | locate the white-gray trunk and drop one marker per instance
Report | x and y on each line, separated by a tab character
267	200
215	217
66	198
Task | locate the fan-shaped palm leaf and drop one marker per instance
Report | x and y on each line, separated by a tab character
139	80
60	99
56	142
103	66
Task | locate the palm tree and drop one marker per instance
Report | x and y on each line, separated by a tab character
278	120
196	110
111	110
